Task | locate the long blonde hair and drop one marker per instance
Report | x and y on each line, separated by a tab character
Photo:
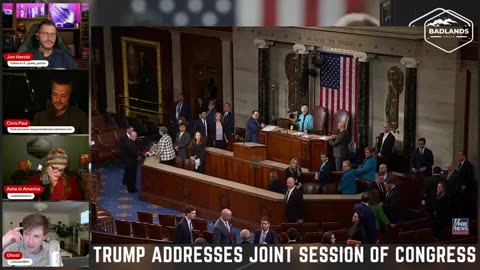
298	165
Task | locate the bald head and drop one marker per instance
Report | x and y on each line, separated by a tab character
450	166
290	182
133	136
226	214
382	169
386	127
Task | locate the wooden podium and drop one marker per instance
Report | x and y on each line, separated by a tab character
250	151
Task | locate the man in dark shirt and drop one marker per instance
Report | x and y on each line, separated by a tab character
46	37
60	113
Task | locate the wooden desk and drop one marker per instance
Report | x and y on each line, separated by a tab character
175	188
250	151
283	145
224	164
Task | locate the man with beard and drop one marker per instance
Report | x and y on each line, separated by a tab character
60	112
44	47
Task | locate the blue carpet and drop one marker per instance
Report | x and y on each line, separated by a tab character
123	205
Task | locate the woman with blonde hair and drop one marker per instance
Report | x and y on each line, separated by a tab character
217	135
295	171
56	185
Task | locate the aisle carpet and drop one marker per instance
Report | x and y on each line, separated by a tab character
123	205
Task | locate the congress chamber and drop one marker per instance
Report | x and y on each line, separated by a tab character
262	100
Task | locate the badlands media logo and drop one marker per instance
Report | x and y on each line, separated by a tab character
460	226
445	29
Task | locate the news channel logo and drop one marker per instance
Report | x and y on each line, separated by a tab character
460	226
445	24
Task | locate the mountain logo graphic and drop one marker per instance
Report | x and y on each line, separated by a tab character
440	22
445	29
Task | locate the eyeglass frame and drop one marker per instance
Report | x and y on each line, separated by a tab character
56	169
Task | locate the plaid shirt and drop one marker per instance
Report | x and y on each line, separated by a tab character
165	149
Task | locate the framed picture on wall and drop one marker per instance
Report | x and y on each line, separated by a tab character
142	77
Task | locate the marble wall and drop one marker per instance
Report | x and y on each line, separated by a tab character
440	89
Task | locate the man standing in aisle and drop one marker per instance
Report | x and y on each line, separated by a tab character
253	126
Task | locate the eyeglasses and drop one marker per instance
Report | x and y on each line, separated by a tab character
45	34
56	169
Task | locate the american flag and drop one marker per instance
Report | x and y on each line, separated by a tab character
295	12
222	12
338	87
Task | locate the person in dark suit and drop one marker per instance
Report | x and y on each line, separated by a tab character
196	151
180	109
245	235
379	186
201	124
383	171
228	120
211	112
265	235
295	171
253	126
274	184
292	235
324	174
385	143
367	218
223	228
453	189
184	229
126	136
391	205
340	145
131	158
430	188
121	142
442	212
181	142
202	105
421	160
465	170
293	203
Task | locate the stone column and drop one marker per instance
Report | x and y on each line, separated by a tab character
303	96
227	70
109	73
410	110
264	79
311	80
176	63
363	115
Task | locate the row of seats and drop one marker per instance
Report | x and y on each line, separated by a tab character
101	219
103	122
157	231
106	147
171	220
